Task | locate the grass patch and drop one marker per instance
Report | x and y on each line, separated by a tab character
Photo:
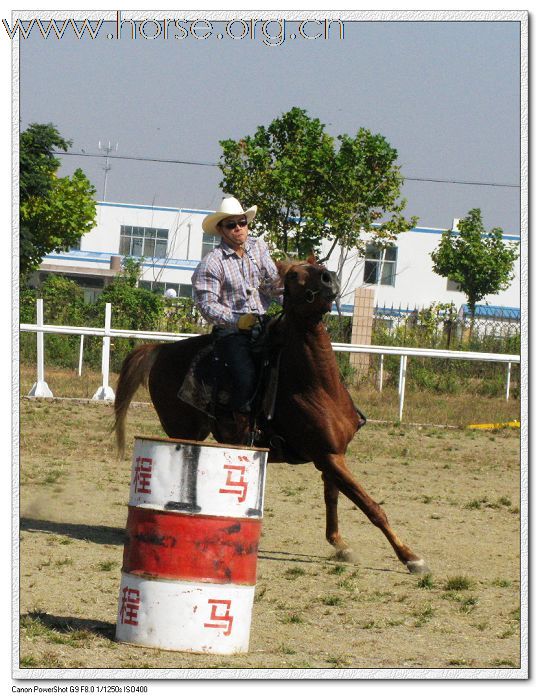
468	604
479	503
332	600
425	581
294	572
458	583
337	661
108	565
349	583
476	504
64	562
501	583
29	661
371	624
497	663
338	569
423	616
292	619
35	627
284	649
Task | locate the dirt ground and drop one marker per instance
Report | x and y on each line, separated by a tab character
452	495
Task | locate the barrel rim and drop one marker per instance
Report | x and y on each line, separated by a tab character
160	578
172	511
158	438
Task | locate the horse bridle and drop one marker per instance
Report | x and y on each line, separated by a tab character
310	293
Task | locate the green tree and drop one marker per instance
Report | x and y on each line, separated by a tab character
480	262
54	212
310	188
133	308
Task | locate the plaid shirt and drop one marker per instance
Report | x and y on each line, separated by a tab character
225	285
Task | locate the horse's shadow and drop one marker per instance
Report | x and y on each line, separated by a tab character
69	625
98	534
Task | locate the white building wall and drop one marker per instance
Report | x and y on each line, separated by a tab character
415	283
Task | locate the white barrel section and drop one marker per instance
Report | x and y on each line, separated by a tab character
191	477
184	616
190	555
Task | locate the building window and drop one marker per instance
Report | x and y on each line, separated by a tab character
182	290
143	241
209	242
375	270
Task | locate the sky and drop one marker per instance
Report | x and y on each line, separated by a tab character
446	95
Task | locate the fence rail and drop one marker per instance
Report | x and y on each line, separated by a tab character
105	392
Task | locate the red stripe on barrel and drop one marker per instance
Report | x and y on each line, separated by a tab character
191	547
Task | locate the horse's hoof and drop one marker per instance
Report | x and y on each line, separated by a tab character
418	566
345	555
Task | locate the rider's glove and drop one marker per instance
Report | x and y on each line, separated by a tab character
246	322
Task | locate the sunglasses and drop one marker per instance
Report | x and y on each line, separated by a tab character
230	225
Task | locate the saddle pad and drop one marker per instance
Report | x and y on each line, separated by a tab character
198	385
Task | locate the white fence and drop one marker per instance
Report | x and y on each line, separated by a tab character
106	393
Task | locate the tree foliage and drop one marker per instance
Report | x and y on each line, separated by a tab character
54	212
480	262
133	308
311	187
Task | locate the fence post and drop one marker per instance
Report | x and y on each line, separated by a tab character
81	355
40	388
508	376
402	373
381	365
105	393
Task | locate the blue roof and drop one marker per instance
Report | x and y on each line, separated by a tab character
391	311
487	311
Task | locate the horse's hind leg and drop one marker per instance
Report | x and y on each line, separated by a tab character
334	469
331	493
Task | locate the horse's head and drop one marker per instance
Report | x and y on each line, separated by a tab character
309	288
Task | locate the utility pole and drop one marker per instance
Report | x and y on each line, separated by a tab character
107	150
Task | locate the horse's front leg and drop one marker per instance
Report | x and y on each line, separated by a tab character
335	470
331	493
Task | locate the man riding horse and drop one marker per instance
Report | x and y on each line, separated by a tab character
233	287
312	418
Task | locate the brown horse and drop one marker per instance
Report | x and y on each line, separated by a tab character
314	413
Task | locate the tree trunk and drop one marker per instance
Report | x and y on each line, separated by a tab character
472	308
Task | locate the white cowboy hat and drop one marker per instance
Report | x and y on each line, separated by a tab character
229	206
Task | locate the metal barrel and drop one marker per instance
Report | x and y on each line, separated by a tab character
190	557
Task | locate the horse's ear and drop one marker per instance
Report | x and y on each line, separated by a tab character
282	267
312	260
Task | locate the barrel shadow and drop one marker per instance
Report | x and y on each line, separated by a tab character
98	534
69	625
275	555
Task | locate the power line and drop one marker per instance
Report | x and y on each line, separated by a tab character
215	165
143	158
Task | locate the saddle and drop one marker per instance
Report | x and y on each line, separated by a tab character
207	385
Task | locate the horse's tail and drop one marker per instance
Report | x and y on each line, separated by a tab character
134	372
